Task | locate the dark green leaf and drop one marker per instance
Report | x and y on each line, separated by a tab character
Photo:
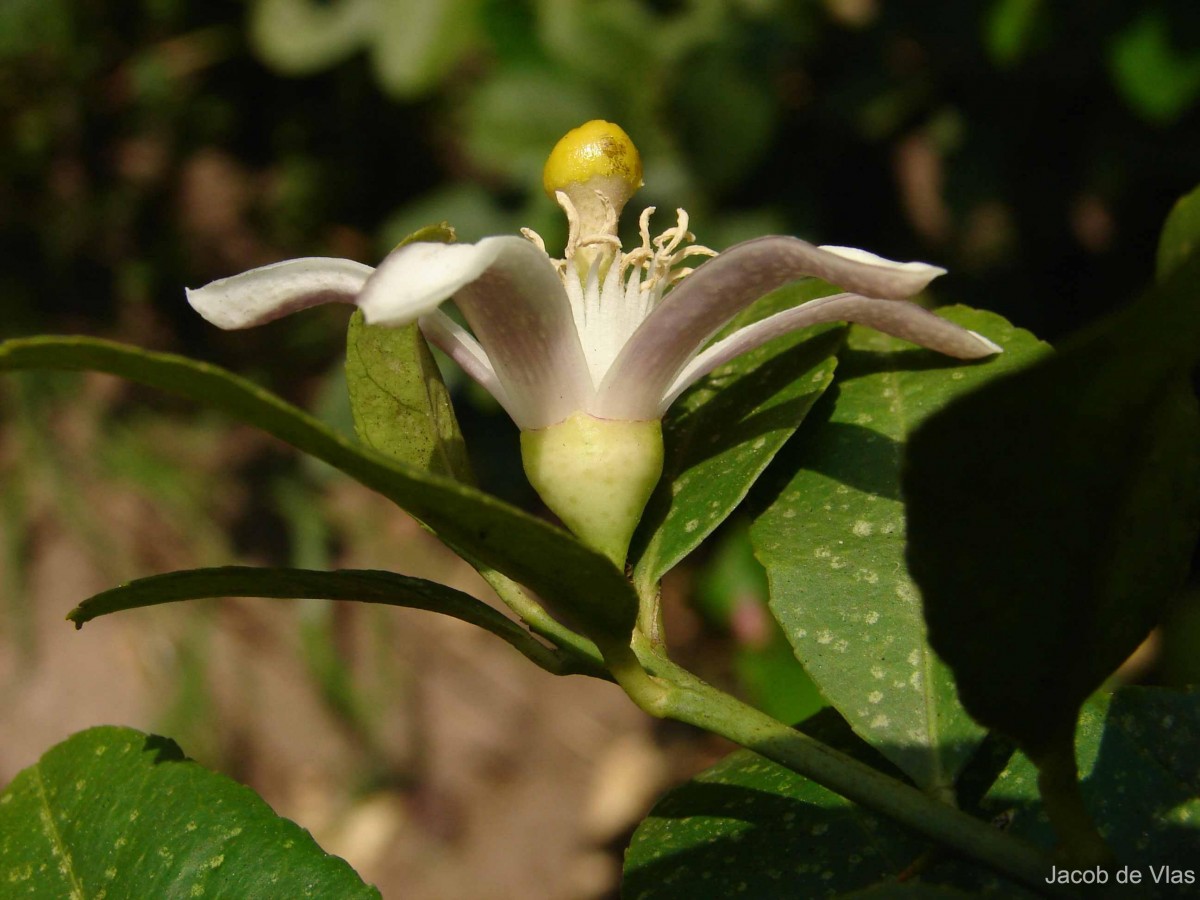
722	433
531	552
750	828
114	812
1141	781
363	586
1053	513
833	546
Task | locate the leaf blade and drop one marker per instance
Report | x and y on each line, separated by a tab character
724	431
749	827
358	585
127	811
1066	546
544	558
400	403
832	542
1137	763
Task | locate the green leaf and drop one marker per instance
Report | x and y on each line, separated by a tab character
36	26
1053	513
299	37
542	557
1180	236
1140	779
413	43
112	811
731	593
400	403
723	433
748	827
517	114
832	543
363	586
1011	29
1155	78
417	43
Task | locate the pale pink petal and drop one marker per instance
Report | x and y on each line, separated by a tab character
269	292
721	288
511	296
457	343
897	318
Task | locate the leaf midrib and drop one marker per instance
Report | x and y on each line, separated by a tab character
52	834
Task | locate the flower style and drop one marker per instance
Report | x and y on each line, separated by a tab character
587	353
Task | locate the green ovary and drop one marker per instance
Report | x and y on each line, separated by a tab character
596	475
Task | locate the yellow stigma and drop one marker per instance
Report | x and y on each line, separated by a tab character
595	150
591	172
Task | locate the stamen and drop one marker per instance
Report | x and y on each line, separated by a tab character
676	235
592	240
695	250
644	228
659	256
572	223
534	238
610	214
646	271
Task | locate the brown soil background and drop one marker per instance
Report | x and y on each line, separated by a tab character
476	774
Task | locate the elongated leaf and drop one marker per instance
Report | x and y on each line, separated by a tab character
114	812
400	403
833	546
1141	781
750	828
544	558
1050	546
363	586
723	433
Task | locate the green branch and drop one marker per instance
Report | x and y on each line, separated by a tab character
685	698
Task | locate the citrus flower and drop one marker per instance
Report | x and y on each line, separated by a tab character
587	352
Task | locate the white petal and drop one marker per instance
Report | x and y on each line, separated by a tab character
457	343
897	318
418	278
718	290
910	277
269	292
511	296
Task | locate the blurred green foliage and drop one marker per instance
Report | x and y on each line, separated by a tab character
1031	147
